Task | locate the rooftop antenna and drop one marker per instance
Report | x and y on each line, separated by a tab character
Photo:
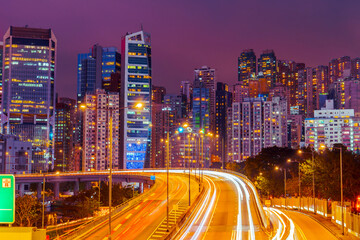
26	26
142	29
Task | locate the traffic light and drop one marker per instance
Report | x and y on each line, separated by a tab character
181	129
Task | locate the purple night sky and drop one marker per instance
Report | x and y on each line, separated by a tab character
187	34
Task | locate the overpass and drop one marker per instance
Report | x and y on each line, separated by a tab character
77	177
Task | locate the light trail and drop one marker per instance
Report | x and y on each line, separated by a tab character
291	235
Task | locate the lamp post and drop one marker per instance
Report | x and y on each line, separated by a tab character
137	105
43	203
341	190
289	160
283	169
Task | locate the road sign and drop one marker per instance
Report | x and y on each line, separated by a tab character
268	203
7	196
152	177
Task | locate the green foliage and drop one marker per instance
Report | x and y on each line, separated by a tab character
81	205
327	174
27	211
119	194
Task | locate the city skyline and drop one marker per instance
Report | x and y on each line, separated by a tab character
302	33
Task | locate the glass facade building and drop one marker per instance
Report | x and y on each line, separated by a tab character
1	69
95	69
135	87
28	106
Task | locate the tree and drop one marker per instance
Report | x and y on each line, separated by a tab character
27	210
81	205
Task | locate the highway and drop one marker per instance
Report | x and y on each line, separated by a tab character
226	211
307	228
140	221
229	208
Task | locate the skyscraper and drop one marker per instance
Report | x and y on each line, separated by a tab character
246	65
339	68
267	66
355	68
101	121
1	69
206	75
223	102
29	90
98	69
63	135
135	128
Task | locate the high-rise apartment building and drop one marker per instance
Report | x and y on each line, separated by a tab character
267	66
322	80
101	131
28	106
135	123
330	126
98	69
206	75
339	68
355	68
223	102
352	96
246	65
258	123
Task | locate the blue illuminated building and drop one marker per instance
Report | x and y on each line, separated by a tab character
98	69
135	87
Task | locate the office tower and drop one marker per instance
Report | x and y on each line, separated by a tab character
246	65
65	120
267	67
175	103
223	102
15	155
206	75
258	123
98	69
1	69
355	68
186	92
330	126
201	116
101	131
135	87
352	96
339	68
28	104
63	133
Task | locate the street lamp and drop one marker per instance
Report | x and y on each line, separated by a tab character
290	161
342	190
283	169
84	107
